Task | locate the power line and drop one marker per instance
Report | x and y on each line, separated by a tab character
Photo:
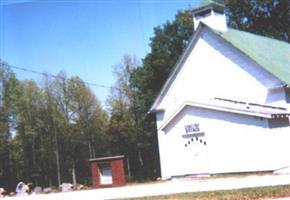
52	75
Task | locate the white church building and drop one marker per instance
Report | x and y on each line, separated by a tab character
225	107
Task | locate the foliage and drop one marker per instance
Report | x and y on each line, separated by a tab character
132	131
168	43
130	123
265	17
123	130
9	93
48	132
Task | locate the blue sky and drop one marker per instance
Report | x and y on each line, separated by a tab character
84	38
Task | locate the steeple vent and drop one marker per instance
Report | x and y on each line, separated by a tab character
212	14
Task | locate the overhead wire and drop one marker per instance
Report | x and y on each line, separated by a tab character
51	75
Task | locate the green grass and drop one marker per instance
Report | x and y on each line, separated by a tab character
247	193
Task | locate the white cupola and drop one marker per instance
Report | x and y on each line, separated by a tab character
212	14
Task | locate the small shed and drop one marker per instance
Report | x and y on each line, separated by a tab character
108	171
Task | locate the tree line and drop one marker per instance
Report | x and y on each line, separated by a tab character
49	130
48	133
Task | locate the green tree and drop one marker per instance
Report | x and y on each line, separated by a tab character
47	134
29	107
167	44
122	127
9	93
89	122
265	17
78	127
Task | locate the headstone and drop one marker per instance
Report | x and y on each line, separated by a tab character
22	189
66	187
47	190
2	191
37	190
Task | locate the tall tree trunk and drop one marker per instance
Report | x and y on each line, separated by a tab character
89	139
9	171
128	168
57	167
33	151
57	155
74	178
94	151
90	150
140	158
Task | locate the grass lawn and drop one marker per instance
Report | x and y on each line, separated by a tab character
248	193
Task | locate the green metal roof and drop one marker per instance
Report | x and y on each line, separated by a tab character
208	3
273	55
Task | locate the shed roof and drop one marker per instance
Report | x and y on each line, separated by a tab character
106	158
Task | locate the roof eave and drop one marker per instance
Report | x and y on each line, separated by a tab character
205	7
176	68
223	109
